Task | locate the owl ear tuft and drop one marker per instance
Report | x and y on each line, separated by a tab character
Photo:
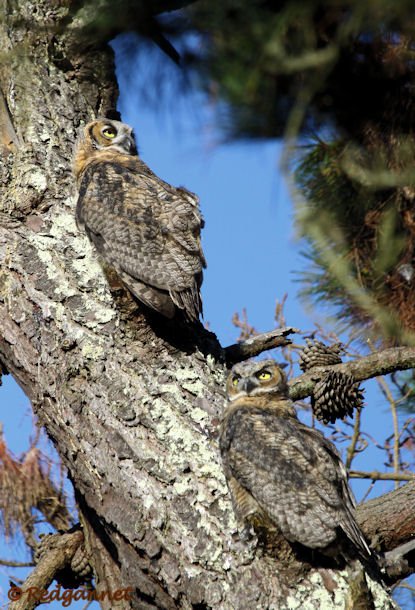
113	115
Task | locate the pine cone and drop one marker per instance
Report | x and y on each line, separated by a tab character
317	353
335	396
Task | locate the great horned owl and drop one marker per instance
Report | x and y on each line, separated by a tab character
146	229
279	470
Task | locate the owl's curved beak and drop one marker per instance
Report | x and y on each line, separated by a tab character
128	143
246	385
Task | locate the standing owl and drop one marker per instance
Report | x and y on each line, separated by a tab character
146	229
281	472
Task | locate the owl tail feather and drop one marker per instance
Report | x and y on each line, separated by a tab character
357	546
152	297
164	302
189	301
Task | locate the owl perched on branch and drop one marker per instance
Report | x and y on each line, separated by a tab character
146	229
280	471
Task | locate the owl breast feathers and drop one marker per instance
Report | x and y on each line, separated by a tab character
280	469
146	229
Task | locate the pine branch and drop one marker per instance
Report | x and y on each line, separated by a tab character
380	363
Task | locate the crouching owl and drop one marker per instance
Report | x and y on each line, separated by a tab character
280	471
144	228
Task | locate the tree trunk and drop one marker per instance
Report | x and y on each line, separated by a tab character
131	403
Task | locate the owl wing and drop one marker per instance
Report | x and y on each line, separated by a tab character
148	230
294	474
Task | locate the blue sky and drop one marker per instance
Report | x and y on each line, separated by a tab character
249	239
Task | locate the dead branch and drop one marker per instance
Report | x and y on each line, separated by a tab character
256	345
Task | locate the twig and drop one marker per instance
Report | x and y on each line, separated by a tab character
396	434
351	449
16	564
368	490
246	330
381	476
404	585
256	345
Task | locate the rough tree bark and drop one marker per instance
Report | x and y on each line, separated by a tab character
131	404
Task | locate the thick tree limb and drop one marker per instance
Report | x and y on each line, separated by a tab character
60	555
388	522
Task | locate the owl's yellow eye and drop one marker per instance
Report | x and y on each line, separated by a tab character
264	375
235	381
109	132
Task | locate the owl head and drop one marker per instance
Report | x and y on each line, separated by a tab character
104	133
253	378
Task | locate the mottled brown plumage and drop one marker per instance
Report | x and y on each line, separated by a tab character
279	470
146	229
